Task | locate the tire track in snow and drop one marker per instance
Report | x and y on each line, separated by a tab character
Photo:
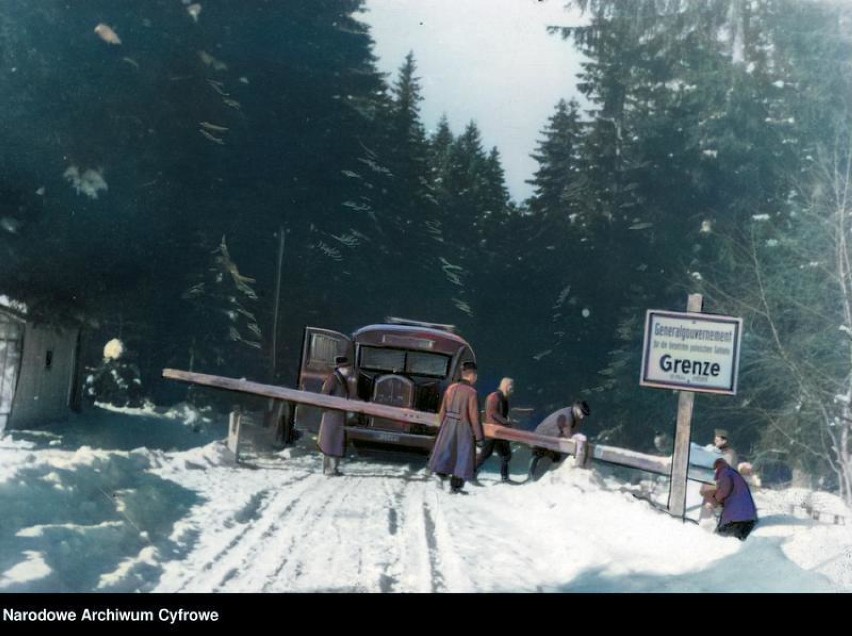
335	523
306	517
376	530
393	562
345	537
403	560
415	565
436	578
264	543
507	552
340	532
202	569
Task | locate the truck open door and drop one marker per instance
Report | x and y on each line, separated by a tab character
319	349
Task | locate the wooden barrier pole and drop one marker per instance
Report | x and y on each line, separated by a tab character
609	454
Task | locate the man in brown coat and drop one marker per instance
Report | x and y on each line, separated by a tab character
454	452
332	435
497	412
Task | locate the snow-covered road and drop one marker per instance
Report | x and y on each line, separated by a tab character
284	527
389	527
158	519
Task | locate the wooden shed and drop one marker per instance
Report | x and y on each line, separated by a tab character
39	371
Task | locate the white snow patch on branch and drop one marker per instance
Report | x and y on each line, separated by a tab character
31	569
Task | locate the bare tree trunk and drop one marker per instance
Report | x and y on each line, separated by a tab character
843	172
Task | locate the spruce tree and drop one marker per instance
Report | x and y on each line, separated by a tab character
219	301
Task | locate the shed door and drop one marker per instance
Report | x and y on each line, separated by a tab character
11	337
319	349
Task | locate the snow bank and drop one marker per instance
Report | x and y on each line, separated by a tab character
84	519
188	519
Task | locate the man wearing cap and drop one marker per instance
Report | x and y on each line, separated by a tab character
739	514
332	435
565	423
454	452
720	441
497	412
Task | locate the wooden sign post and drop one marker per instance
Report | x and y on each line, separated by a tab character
683	434
691	352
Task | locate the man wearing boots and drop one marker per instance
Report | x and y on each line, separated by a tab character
454	452
332	434
497	412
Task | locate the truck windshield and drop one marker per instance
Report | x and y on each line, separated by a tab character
376	359
419	363
398	360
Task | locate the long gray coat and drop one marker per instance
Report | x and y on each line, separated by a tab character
332	435
562	423
454	452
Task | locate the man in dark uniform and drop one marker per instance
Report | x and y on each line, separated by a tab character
454	452
497	412
332	435
565	423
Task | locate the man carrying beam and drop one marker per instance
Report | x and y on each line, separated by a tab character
497	412
565	423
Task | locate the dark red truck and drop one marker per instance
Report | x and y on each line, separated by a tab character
402	363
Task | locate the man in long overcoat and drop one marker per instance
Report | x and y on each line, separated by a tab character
332	434
454	452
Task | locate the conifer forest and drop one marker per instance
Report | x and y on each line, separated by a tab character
148	185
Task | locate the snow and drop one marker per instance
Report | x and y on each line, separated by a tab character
150	500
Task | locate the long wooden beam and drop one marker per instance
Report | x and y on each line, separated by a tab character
305	397
658	464
559	444
651	463
409	416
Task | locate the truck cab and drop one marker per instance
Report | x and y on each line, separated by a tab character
403	363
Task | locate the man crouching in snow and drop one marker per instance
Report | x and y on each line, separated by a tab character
739	514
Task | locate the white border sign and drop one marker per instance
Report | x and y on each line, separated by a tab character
691	352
